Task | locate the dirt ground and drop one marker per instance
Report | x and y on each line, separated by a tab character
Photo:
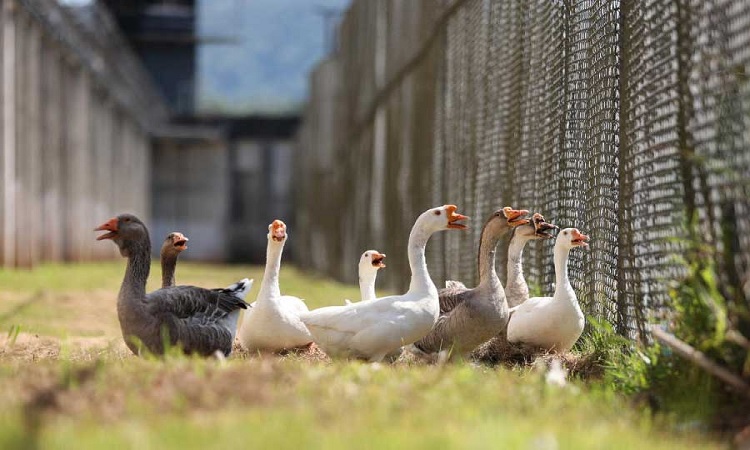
33	347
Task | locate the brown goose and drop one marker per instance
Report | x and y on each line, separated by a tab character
469	317
199	320
173	245
516	288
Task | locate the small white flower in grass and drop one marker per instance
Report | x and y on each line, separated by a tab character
219	355
545	441
556	374
443	357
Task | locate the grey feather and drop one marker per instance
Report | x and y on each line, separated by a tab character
451	295
199	320
469	317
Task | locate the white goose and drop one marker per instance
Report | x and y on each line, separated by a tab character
516	288
273	324
372	329
369	263
553	323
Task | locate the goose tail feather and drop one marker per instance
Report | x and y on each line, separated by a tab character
238	290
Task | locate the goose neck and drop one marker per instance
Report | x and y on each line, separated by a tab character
367	285
133	289
420	278
562	282
491	234
168	263
515	260
270	285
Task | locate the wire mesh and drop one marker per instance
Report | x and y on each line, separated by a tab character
623	119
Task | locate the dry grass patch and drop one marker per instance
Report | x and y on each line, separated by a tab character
68	381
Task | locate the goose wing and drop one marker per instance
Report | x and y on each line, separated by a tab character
334	327
452	295
447	328
294	303
200	320
189	302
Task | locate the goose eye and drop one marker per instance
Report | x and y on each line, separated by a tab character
437	213
367	255
566	233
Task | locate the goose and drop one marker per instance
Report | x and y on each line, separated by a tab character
173	245
200	321
372	329
552	323
470	317
516	288
273	324
369	263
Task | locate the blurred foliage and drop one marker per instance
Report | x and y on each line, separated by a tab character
703	313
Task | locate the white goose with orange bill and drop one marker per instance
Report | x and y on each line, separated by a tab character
273	323
516	288
372	329
369	263
552	323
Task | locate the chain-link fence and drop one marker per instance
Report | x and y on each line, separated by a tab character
623	119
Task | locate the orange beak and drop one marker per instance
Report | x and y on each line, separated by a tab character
579	239
514	216
454	217
111	226
278	230
377	260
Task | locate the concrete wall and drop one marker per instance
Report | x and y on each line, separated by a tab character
75	114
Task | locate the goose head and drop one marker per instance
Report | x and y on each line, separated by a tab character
277	231
126	231
442	218
514	217
371	261
537	228
570	238
503	220
175	243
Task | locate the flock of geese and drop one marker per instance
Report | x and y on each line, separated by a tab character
424	321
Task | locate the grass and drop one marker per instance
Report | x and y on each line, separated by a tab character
66	381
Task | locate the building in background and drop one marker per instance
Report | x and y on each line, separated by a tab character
162	33
221	181
221	172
